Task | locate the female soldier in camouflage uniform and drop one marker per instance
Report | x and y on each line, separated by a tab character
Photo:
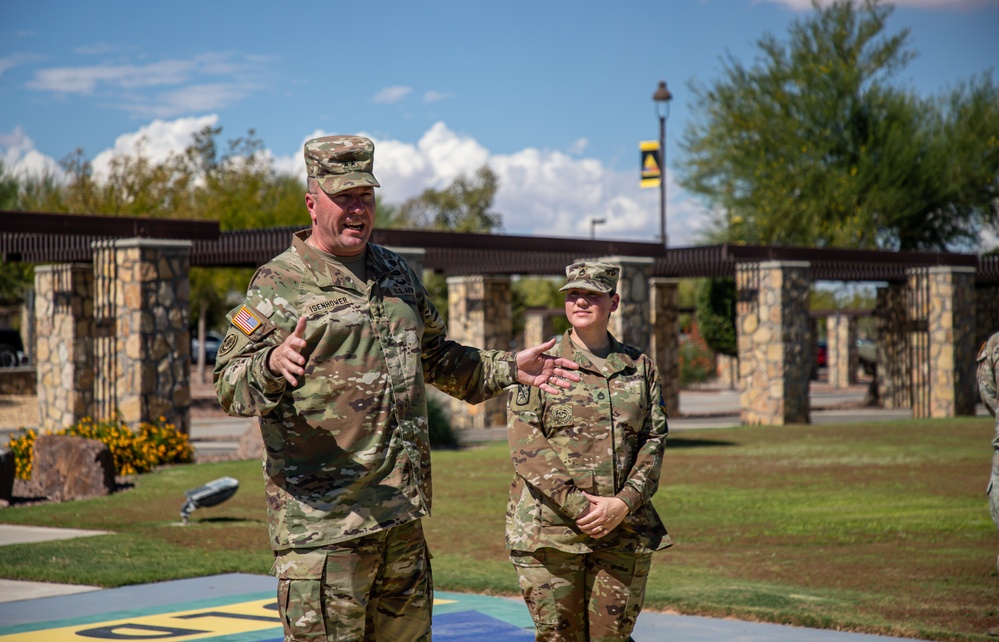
580	524
988	382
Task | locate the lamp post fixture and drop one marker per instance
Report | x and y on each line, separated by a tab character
662	98
594	222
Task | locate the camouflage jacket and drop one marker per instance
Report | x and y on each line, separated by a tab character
604	435
988	373
347	450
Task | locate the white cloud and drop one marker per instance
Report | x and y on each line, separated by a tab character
435	96
157	141
161	89
16	60
192	98
85	80
20	158
393	94
806	5
541	193
95	49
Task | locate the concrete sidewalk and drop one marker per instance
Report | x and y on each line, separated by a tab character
240	608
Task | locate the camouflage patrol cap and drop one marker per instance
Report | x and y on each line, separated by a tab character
595	276
340	162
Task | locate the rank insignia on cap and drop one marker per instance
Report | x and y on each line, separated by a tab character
245	321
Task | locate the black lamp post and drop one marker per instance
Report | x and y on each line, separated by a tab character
594	222
662	98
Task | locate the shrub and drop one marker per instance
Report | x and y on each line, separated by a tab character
152	445
716	301
697	363
439	425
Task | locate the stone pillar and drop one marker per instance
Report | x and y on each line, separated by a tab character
631	323
950	331
841	350
894	373
727	371
480	314
538	326
773	335
143	352
63	354
664	306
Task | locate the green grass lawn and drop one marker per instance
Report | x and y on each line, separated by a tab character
879	527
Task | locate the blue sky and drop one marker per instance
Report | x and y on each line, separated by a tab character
554	95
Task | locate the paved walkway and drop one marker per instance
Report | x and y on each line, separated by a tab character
240	608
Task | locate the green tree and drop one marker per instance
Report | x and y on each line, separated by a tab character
541	293
716	301
233	183
815	144
464	206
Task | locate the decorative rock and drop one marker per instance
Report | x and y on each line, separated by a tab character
251	443
67	467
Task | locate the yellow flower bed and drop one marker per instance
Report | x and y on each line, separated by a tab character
153	444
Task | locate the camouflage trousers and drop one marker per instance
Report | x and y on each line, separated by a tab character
377	587
993	491
582	597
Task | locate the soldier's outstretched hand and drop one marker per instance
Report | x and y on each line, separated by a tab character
544	371
286	359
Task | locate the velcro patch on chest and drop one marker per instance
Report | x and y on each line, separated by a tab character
559	416
322	306
397	285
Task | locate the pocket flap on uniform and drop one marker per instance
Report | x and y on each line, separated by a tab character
583	478
297	565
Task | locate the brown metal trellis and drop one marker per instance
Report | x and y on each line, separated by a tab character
36	237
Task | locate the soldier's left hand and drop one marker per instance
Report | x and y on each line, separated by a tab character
603	515
544	371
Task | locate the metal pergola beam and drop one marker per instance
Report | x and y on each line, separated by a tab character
43	238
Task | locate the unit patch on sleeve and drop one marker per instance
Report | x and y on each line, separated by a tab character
246	321
524	398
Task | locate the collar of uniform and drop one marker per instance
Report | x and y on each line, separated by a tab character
325	274
617	360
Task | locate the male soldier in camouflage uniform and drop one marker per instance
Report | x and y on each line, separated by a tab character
988	374
579	523
331	349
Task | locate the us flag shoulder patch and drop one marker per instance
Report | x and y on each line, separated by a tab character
246	321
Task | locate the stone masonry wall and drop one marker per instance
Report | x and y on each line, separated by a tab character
841	350
773	337
894	373
144	365
63	344
480	315
951	330
631	323
664	305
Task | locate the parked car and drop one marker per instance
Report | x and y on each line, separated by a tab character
212	342
11	349
867	355
821	353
